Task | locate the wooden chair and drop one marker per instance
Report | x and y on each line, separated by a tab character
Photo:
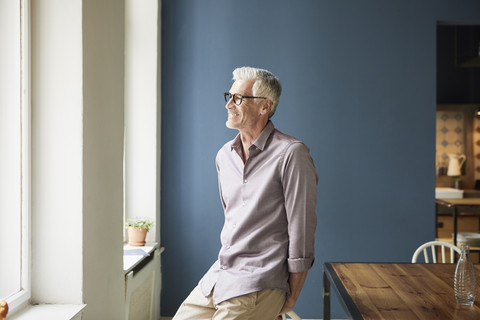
292	315
434	245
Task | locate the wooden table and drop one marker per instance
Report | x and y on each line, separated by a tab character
456	205
396	291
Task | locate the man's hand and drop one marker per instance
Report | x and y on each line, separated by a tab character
296	281
288	305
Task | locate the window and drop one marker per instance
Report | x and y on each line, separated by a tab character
141	168
14	152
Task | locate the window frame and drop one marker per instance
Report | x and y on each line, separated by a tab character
22	297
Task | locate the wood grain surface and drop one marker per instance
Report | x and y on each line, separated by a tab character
405	291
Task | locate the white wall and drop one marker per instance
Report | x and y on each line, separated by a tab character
77	154
57	108
78	118
103	129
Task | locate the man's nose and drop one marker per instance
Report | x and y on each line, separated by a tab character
230	105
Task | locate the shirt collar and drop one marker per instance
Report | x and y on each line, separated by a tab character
261	140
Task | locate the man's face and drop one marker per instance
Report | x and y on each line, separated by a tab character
247	114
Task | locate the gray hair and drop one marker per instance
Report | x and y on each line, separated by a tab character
266	84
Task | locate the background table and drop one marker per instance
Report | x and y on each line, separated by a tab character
457	205
396	291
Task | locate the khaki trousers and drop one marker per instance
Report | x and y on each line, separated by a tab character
261	305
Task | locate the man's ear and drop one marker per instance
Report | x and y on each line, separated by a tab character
267	106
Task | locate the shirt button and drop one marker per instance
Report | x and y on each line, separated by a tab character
223	267
234	225
245	181
243	203
228	247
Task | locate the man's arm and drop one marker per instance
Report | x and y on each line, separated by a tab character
296	281
300	191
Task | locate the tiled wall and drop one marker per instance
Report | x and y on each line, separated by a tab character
476	146
450	137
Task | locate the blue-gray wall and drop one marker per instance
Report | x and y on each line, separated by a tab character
359	89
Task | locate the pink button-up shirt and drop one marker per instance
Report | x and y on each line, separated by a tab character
269	204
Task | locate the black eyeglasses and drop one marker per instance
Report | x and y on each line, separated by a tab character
237	97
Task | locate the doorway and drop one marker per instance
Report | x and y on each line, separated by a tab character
458	100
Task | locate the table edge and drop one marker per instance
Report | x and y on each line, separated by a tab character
346	301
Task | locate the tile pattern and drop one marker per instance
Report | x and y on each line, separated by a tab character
450	137
476	147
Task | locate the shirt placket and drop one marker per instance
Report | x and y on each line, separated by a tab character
243	203
244	186
223	258
246	171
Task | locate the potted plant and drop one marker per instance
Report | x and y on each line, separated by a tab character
137	230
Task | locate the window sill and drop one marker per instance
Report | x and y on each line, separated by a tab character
49	311
133	256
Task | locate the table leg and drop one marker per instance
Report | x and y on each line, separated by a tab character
455	225
326	297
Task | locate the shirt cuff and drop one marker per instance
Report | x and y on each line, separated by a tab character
300	264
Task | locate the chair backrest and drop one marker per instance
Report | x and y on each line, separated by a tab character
434	245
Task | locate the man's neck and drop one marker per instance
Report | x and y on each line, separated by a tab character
248	137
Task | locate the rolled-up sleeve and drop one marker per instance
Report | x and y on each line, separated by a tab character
300	191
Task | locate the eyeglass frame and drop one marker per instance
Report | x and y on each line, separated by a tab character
232	95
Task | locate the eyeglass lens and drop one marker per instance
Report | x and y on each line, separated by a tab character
237	99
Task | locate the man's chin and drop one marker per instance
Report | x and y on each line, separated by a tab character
230	125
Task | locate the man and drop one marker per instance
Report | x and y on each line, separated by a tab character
267	183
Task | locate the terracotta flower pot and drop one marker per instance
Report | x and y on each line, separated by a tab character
136	236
